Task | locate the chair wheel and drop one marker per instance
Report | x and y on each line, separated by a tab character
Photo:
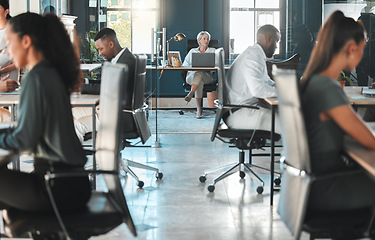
242	174
260	190
202	179
277	181
140	184
159	175
180	112
211	188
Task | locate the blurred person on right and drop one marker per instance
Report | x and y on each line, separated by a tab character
329	117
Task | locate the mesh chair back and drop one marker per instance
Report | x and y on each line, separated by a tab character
296	179
219	58
193	43
291	117
139	114
139	83
113	79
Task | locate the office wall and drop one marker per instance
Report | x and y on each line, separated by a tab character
80	9
190	17
17	6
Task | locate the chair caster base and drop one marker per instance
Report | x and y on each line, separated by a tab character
202	179
159	175
277	181
211	188
140	184
242	174
260	190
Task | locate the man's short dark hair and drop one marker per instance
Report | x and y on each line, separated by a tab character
105	33
268	28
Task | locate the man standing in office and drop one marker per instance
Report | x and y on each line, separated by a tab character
248	82
109	47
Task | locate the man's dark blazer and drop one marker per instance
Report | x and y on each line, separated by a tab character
129	59
126	58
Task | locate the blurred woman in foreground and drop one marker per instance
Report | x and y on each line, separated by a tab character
45	123
329	116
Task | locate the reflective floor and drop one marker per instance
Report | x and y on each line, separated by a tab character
180	206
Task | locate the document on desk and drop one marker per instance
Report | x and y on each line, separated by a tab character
368	92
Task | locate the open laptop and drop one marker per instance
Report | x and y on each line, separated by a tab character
203	59
368	92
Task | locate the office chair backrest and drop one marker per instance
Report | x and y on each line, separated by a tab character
296	178
192	43
114	76
139	114
219	57
291	117
139	83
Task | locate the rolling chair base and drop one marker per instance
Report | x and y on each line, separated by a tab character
126	164
240	167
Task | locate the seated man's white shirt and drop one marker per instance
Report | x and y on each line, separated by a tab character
247	81
115	59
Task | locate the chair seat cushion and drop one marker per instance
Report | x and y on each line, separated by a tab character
99	217
349	224
246	134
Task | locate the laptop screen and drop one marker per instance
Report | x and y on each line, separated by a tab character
203	60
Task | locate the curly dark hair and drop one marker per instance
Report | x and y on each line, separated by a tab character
48	35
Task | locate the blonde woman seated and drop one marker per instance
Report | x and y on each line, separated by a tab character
197	78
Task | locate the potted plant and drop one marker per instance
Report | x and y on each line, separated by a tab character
344	79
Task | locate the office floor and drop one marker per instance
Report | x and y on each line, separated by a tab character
179	206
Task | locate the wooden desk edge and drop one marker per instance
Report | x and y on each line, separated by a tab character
271	101
363	156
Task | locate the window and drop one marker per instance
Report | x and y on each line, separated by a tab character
246	16
133	20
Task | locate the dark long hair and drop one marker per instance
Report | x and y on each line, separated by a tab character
332	37
5	5
49	36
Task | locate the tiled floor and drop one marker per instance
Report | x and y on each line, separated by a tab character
180	207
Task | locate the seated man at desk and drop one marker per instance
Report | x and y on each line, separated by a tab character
247	82
109	47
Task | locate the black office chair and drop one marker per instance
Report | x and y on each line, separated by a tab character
290	63
192	43
106	209
242	139
134	122
298	176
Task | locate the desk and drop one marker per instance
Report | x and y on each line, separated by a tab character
90	67
363	156
153	68
83	100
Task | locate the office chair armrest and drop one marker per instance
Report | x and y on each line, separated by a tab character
218	104
240	106
298	172
72	173
89	150
76	173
